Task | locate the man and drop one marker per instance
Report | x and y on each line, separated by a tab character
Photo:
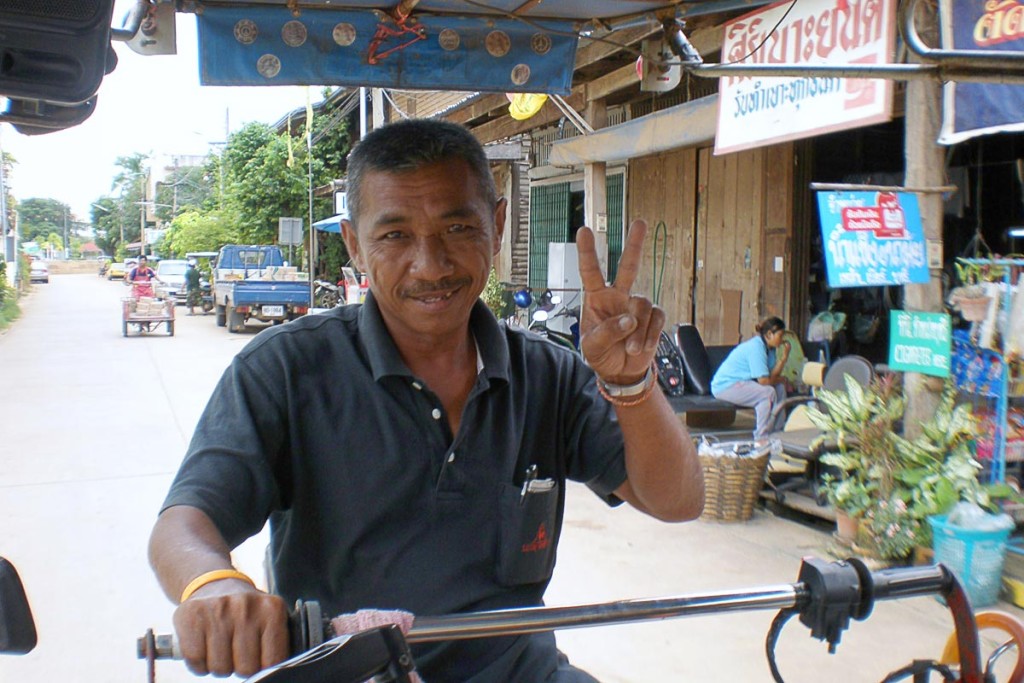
193	288
393	444
140	277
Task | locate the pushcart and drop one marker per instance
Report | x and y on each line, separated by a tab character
145	313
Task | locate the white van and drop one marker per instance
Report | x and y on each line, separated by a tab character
172	272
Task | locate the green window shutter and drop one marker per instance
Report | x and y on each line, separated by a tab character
615	196
549	221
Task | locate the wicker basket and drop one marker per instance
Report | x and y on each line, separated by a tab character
732	483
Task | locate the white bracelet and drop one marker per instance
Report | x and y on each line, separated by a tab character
627	390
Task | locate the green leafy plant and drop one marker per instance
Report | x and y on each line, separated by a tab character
862	422
495	296
876	465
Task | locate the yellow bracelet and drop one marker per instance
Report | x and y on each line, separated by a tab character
209	577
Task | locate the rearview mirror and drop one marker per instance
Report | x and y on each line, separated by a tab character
17	629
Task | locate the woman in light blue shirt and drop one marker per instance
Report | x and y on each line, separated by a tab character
751	375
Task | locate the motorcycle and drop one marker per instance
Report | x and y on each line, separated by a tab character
825	598
206	296
546	315
327	294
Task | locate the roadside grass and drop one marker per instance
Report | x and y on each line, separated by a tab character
9	309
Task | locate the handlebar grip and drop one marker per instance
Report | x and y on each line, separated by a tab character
306	626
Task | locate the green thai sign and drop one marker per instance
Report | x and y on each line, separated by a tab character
920	342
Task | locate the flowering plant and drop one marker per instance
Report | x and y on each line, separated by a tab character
890	481
893	530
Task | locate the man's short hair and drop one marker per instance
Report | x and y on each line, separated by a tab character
411	144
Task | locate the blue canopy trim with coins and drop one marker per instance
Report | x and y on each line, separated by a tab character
272	46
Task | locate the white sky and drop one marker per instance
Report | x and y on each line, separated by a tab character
152	105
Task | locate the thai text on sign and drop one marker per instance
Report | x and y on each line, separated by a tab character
920	342
872	238
755	111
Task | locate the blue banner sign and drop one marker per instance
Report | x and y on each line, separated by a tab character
973	109
249	45
872	239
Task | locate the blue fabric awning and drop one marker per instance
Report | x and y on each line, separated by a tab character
271	45
332	224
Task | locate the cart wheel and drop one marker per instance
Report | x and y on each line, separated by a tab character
124	328
1001	621
222	316
170	328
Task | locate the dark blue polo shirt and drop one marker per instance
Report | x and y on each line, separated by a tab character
373	502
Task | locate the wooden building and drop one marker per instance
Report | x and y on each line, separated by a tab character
732	238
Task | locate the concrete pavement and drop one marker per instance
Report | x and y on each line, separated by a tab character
94	426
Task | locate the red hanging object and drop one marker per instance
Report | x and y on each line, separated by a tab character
404	25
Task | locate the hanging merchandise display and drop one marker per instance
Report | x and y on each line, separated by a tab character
987	362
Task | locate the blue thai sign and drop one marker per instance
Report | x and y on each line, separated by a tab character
872	238
973	109
248	45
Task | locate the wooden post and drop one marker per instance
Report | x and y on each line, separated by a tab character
925	163
595	188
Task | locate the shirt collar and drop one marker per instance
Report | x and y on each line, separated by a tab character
491	345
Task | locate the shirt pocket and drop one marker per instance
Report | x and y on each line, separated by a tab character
526	551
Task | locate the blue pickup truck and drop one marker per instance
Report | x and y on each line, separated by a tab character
253	282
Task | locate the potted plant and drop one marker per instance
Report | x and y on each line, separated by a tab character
971	297
887	481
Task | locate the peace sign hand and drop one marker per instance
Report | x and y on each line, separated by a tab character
619	333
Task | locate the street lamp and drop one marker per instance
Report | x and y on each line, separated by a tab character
142	222
120	219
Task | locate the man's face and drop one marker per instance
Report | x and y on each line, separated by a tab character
426	239
142	263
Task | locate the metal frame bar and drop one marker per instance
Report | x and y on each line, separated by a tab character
944	65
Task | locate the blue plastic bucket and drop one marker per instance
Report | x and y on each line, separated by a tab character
975	557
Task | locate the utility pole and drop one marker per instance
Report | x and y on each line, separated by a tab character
142	229
67	245
925	163
142	213
7	249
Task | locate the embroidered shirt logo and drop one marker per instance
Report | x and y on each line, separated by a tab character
539	542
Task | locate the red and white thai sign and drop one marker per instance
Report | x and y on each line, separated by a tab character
754	111
886	219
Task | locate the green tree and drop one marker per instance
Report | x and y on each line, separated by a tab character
107	219
197	231
262	187
40	217
8	162
129	185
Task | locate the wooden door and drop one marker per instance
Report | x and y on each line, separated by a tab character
744	225
663	192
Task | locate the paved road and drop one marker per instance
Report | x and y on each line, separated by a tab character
94	425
